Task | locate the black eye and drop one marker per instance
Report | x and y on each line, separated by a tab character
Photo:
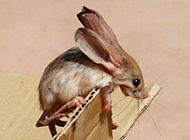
136	82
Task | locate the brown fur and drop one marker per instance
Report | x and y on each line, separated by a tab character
97	61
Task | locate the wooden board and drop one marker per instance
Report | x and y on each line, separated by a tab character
20	111
88	124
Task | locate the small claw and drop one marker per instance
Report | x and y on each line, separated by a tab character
114	126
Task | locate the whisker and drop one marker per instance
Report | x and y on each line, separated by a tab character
138	106
138	60
138	120
155	123
119	101
151	87
167	79
152	118
148	88
163	106
165	85
163	72
159	76
124	108
149	62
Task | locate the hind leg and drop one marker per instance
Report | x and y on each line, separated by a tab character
51	125
52	128
66	109
62	112
42	119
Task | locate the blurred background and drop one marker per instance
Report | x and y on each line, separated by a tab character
156	33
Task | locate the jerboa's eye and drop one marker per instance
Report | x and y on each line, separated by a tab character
136	82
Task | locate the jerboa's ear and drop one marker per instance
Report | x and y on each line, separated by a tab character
94	21
98	50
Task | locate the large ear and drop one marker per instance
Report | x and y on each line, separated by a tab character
94	21
97	49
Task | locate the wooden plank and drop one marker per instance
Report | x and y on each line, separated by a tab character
88	125
20	111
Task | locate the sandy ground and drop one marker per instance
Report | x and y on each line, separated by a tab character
156	33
